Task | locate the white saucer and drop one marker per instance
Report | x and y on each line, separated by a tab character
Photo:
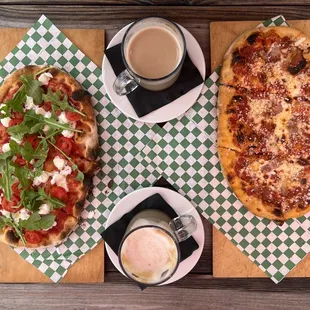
169	111
181	206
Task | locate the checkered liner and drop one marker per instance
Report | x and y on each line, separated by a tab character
120	139
185	153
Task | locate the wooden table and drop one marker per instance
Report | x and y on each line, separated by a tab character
198	290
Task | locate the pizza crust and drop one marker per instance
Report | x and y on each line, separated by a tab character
89	139
228	160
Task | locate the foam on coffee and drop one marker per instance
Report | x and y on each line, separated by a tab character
149	255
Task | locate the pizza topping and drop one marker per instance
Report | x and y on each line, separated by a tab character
6	121
43	178
60	163
33	237
44	209
45	77
6	147
36	126
298	62
252	38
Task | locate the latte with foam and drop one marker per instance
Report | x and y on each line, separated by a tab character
149	255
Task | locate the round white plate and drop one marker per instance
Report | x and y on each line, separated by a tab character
181	206
169	111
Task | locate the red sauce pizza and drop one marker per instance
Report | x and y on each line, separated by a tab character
264	121
48	146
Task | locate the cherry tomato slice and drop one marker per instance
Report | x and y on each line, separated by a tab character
20	161
73	116
59	193
15	121
47	106
4	137
65	144
10	206
15	189
61	217
33	237
33	140
65	89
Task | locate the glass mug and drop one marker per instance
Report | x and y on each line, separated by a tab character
128	80
149	252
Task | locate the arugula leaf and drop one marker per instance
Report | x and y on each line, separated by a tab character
22	174
18	129
36	221
4	221
6	180
16	103
80	175
51	122
51	201
15	147
63	104
28	197
6	155
32	88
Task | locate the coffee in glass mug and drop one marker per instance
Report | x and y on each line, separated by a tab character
153	51
149	253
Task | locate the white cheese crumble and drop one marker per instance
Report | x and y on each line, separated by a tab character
41	111
44	209
67	170
45	77
5	121
41	179
21	215
6	147
59	180
68	133
59	162
6	213
63	119
29	104
46	128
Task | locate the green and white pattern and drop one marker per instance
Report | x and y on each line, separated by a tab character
121	140
185	153
134	155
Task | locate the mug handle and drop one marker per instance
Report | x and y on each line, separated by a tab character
183	226
124	83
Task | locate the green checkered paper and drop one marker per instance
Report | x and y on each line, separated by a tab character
184	151
121	140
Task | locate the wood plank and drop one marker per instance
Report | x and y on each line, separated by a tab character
162	2
200	292
89	268
228	261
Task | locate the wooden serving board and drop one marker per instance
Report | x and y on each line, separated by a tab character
90	268
228	260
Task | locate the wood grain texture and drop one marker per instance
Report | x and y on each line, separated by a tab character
228	261
89	268
199	292
162	2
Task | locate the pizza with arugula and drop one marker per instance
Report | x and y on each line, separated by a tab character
264	128
48	146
